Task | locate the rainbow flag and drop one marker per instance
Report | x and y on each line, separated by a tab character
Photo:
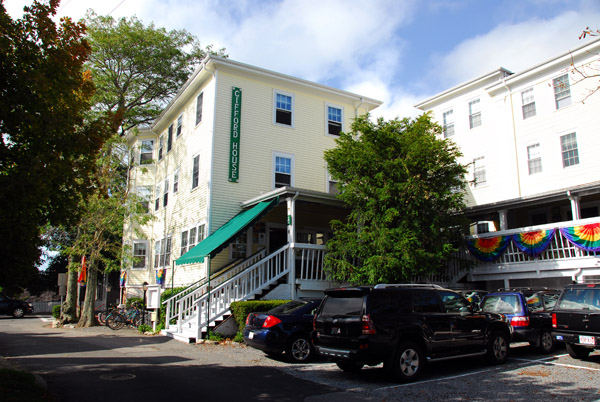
533	243
586	237
123	278
489	248
160	276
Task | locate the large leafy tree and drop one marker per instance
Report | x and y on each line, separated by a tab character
47	146
402	185
137	69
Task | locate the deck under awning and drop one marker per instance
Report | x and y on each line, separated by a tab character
221	238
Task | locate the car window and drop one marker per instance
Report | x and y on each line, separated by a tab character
453	302
426	301
287	308
504	304
550	300
342	306
534	302
389	300
580	299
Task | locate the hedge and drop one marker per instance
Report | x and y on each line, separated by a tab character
241	309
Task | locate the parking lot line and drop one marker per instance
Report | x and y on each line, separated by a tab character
559	364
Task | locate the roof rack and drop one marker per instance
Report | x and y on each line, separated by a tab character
407	285
532	289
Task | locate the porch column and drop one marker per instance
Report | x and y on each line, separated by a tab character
502	214
291	238
575	210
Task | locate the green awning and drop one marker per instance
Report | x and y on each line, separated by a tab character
221	238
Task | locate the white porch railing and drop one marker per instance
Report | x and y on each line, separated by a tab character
309	261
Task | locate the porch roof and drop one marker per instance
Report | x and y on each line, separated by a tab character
221	238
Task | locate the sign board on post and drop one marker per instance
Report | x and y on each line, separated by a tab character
153	296
234	145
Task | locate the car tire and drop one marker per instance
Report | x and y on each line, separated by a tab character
408	362
498	348
546	341
299	349
577	352
349	366
18	312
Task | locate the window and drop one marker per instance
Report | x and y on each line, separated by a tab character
448	128
162	253
283	109
570	154
179	125
199	108
332	185
425	301
534	159
139	254
453	302
157	198
283	171
160	147
474	113
170	138
146	152
239	247
176	181
528	103
195	171
144	194
184	242
479	177
562	91
166	193
334	120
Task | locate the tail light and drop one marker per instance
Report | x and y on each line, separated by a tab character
271	321
554	322
367	325
519	321
248	319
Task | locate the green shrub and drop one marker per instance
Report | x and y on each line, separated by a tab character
239	337
134	302
144	328
167	294
56	312
215	336
240	310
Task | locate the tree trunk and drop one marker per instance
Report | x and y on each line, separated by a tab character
88	318
68	313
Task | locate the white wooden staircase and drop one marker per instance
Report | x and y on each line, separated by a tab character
190	313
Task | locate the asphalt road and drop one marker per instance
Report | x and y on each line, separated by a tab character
98	364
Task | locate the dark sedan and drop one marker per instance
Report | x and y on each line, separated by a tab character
285	328
16	308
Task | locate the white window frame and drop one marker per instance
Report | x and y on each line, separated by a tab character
293	103
145	195
166	193
274	167
151	153
170	138
479	172
199	108
176	181
448	123
247	246
475	119
328	121
161	141
329	181
134	255
196	230
569	156
528	103
534	158
179	129
163	249
562	96
157	196
193	170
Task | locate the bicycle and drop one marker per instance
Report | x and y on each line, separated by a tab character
118	319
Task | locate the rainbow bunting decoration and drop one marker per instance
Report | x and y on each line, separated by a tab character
82	278
533	243
586	237
160	276
123	278
489	248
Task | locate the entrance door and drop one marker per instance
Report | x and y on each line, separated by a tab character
277	238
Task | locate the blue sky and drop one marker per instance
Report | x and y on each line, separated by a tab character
397	51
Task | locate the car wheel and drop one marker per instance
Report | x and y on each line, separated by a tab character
18	312
546	342
299	349
408	362
577	352
349	366
498	348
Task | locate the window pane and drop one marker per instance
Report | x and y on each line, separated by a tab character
170	138
448	119
334	114
474	113
179	125
284	102
199	108
534	159
196	171
562	91
570	154
479	174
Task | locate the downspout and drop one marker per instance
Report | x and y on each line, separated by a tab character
358	107
514	131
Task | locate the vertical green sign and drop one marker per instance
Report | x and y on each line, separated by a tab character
234	144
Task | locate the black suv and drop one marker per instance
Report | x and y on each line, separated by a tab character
403	326
16	308
528	310
576	319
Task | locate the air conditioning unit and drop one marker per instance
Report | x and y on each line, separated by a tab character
480	227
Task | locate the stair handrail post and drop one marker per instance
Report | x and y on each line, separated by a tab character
291	237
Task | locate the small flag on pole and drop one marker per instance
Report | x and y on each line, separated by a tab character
83	273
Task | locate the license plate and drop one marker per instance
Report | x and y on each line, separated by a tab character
335	331
250	335
587	340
